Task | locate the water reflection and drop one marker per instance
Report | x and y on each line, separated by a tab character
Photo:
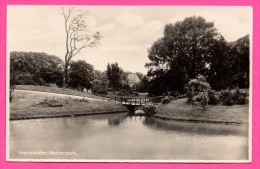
197	128
127	137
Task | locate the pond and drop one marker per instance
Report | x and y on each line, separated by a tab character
123	137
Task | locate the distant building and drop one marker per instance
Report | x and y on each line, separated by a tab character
133	79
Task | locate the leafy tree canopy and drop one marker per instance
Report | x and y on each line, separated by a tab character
35	68
188	48
81	74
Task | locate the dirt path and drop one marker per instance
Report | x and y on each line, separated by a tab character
58	94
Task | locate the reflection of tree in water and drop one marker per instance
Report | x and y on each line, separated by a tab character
116	120
195	128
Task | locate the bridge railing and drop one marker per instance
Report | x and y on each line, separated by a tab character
132	101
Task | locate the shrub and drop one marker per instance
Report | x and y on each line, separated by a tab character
99	87
239	97
51	103
198	86
81	100
181	96
226	97
100	91
166	100
202	98
213	97
230	98
149	109
157	99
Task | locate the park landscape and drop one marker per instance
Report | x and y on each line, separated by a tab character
192	101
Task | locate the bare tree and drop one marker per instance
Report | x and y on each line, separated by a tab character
77	36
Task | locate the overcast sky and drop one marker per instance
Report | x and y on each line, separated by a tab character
127	31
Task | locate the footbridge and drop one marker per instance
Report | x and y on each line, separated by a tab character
132	102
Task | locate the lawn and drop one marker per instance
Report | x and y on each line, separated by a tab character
179	110
34	105
26	105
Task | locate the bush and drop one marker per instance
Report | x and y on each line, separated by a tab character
157	99
149	109
100	91
226	97
81	100
230	98
166	100
202	98
99	87
51	103
181	96
239	97
213	97
198	86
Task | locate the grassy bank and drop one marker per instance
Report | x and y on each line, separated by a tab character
31	105
179	110
35	105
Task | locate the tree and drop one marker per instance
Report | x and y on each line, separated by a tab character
143	85
14	72
199	87
109	72
81	75
97	74
47	75
31	68
239	62
219	73
116	76
185	50
77	36
100	83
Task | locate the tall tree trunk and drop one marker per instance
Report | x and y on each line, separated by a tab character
11	93
204	101
65	75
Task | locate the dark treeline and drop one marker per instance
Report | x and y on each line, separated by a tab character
31	68
192	47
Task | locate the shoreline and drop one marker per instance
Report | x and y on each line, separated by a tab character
164	118
197	120
64	115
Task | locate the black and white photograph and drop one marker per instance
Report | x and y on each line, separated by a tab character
129	83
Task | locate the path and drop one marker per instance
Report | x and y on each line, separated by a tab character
58	94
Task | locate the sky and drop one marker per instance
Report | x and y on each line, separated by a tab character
127	31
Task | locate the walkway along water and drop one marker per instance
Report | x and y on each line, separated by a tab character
58	94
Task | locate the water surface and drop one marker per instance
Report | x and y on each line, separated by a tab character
123	137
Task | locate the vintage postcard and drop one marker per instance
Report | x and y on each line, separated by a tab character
130	83
174	85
